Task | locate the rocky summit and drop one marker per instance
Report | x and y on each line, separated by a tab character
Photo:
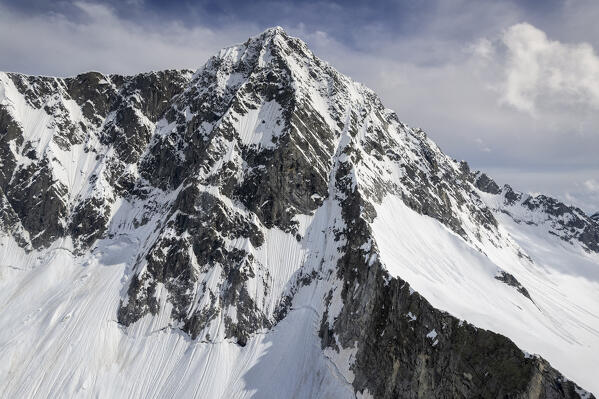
264	227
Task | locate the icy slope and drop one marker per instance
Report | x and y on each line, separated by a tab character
264	227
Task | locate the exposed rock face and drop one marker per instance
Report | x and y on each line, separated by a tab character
265	141
453	359
108	118
191	243
486	184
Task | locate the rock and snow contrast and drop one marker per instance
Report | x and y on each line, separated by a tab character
266	228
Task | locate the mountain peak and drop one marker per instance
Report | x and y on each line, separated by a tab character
270	201
273	31
268	36
276	37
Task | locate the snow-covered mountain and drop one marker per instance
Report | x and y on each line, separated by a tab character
265	227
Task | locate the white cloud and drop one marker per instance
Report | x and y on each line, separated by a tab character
542	75
592	185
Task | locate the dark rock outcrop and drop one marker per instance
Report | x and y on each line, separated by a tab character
513	282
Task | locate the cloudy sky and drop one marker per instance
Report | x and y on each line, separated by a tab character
510	86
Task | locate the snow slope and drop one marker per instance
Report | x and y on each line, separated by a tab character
64	340
561	322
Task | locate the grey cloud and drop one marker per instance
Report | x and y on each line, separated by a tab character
56	44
